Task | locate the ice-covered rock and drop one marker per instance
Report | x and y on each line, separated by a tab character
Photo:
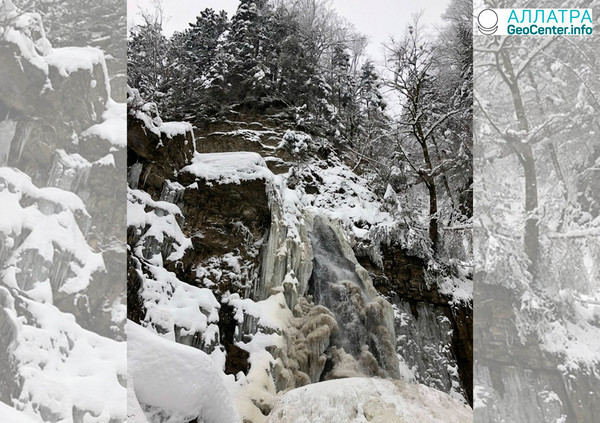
61	255
433	326
368	400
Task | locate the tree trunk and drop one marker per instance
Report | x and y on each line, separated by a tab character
433	219
532	230
527	160
430	182
443	175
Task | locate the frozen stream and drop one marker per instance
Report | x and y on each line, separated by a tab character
365	320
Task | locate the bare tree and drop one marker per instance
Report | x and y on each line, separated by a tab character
411	64
514	71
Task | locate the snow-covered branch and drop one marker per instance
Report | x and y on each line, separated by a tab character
439	122
579	233
539	49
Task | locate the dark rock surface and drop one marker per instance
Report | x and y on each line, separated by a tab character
403	281
517	374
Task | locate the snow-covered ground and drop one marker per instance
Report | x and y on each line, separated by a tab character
363	400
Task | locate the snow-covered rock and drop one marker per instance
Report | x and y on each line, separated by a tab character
227	168
177	378
62	307
362	400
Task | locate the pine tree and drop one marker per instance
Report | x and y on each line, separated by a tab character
201	40
245	48
191	63
370	119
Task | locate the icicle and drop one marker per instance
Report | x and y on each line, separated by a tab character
23	139
8	128
133	175
284	254
171	192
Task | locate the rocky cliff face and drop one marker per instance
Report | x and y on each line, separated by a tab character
244	249
61	249
434	332
561	389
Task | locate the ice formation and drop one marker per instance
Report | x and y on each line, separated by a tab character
364	400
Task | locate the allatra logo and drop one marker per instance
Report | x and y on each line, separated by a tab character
488	22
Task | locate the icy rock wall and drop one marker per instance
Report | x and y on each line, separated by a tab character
424	345
505	393
287	257
562	391
433	332
61	254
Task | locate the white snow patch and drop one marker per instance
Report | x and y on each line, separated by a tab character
171	303
10	414
460	290
271	313
114	125
177	378
71	59
363	400
228	168
171	129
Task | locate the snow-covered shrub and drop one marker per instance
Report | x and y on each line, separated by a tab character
297	142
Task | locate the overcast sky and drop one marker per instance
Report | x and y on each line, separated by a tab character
377	19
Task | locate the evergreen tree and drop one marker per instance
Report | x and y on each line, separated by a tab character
246	73
370	117
146	60
191	65
201	40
